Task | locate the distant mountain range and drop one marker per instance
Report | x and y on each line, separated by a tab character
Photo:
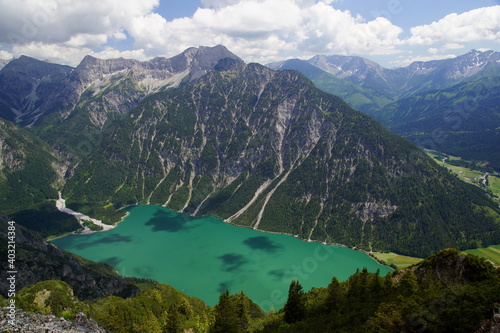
465	86
402	82
206	134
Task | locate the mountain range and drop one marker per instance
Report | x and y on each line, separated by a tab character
207	134
461	122
401	82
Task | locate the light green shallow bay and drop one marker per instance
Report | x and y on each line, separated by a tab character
203	257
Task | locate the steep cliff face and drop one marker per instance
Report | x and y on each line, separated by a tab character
267	150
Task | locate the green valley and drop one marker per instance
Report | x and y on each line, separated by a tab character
473	172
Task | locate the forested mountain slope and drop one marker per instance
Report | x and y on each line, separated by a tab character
462	120
266	149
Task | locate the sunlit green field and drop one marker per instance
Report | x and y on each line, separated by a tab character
398	260
494	185
491	252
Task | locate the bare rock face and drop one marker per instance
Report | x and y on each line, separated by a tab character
25	85
36	323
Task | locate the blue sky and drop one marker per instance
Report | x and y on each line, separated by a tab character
392	32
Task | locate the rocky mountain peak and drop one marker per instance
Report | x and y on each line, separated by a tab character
34	88
346	66
105	66
202	59
24	83
404	81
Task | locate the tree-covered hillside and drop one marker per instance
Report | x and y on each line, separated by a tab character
30	173
447	292
268	150
463	120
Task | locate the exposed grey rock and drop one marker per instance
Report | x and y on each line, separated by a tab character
37	323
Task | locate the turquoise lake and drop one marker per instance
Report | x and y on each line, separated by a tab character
203	257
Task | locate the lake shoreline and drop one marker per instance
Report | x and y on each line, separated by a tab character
178	246
61	203
61	206
368	253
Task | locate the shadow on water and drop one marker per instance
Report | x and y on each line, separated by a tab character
110	238
223	286
232	261
169	221
278	274
112	261
144	271
263	243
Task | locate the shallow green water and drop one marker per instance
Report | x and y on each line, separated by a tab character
203	257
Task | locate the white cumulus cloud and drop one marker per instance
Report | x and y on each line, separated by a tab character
58	21
260	29
256	30
67	30
475	25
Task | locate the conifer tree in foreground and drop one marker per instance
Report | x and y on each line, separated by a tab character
294	308
226	317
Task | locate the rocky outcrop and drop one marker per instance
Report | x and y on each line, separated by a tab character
35	323
450	267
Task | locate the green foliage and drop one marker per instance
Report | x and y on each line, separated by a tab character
461	120
45	219
447	292
157	309
294	308
109	214
27	176
235	313
226	316
49	297
92	226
